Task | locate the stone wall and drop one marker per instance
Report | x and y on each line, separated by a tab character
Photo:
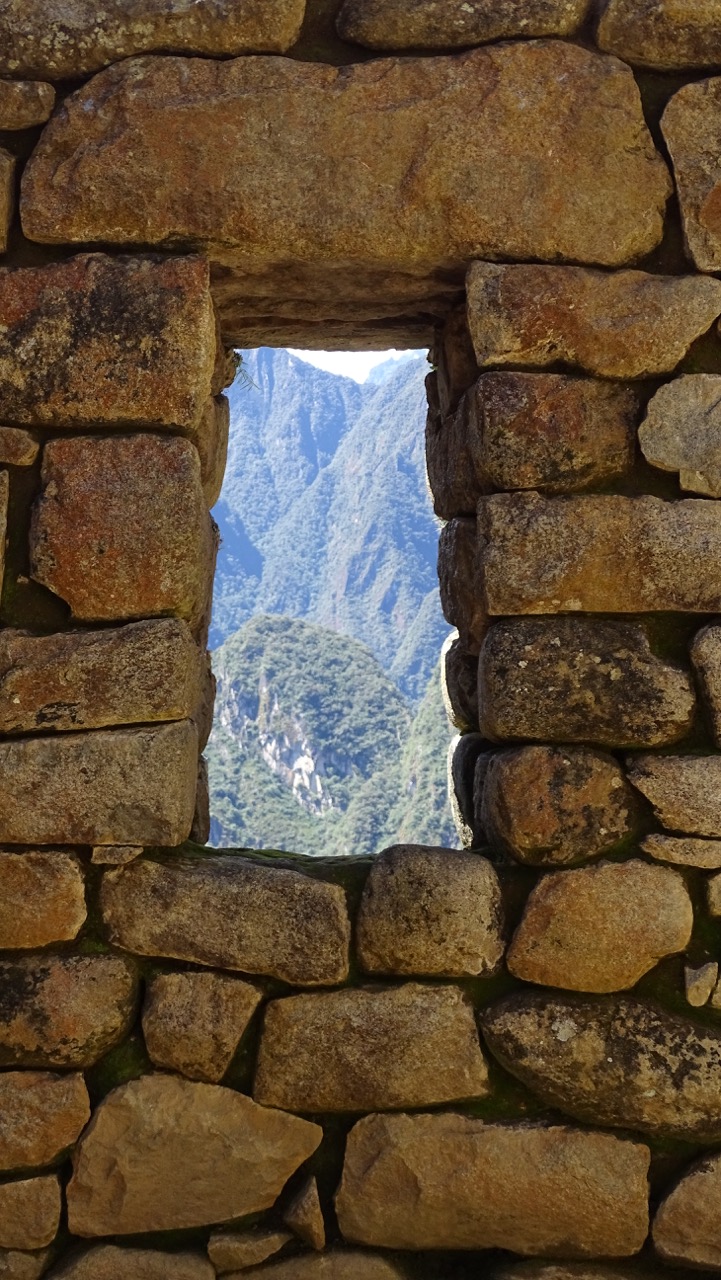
503	1060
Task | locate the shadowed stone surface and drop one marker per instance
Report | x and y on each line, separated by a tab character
24	104
662	34
7	196
459	671
193	1022
231	913
163	1153
100	341
370	1049
430	911
598	554
684	852
682	431
4	503
146	671
624	324
238	1250
699	984
613	1062
601	928
690	127
41	1115
580	680
687	1226
64	1011
42	898
108	1262
18	448
548	806
458	582
305	1217
17	1265
453	24
211	441
108	787
570	1271
449	1181
121	529
30	1212
706	658
685	791
334	1265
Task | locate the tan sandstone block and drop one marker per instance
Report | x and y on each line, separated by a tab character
121	529
193	1022
685	791
624	324
455	24
16	1264
18	448
687	1226
598	554
706	658
452	1182
114	342
601	928
700	983
30	1212
108	787
109	1262
305	1217
459	583
64	1011
238	1250
494	138
684	851
41	1115
580	680
294	928
682	431
435	912
370	1049
7	196
42	898
665	35
164	1153
690	127
25	103
337	1264
612	1062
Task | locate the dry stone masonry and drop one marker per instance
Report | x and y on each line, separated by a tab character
499	1061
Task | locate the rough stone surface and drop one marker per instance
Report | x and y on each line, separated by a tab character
42	898
193	1022
466	753
713	894
24	104
41	1115
452	1182
579	680
211	441
163	1153
459	677
115	855
7	196
41	39
690	127
106	341
64	1011
430	911
700	983
684	852
231	913
571	1271
601	928
18	448
108	787
494	140
612	1062
238	1250
370	1049
305	1217
598	554
706	658
687	1226
121	529
455	24
624	324
30	1212
4	503
109	1262
548	806
682	431
337	1264
200	830
20	1265
662	34
685	791
454	363
458	582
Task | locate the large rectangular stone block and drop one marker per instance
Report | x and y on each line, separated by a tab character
600	554
128	786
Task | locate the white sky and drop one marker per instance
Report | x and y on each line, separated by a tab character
350	364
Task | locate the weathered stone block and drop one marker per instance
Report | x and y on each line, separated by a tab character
454	363
661	34
200	830
424	24
706	658
580	680
134	786
64	1011
17	448
193	1022
24	104
624	324
492	161
465	756
7	196
459	584
682	431
687	1226
20	1265
115	855
598	554
110	1262
337	1264
601	928
164	1153
370	1049
713	895
48	39
611	1062
689	125
452	1182
435	912
459	671
42	898
549	806
685	791
121	529
41	1115
211	441
700	983
684	852
305	1217
571	1271
30	1212
238	1250
99	341
231	913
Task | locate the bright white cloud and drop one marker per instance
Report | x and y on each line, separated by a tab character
349	364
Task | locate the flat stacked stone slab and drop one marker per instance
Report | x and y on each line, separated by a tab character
662	35
193	1022
42	898
110	1262
30	1211
687	1226
424	24
689	127
232	1251
25	103
41	1115
684	851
